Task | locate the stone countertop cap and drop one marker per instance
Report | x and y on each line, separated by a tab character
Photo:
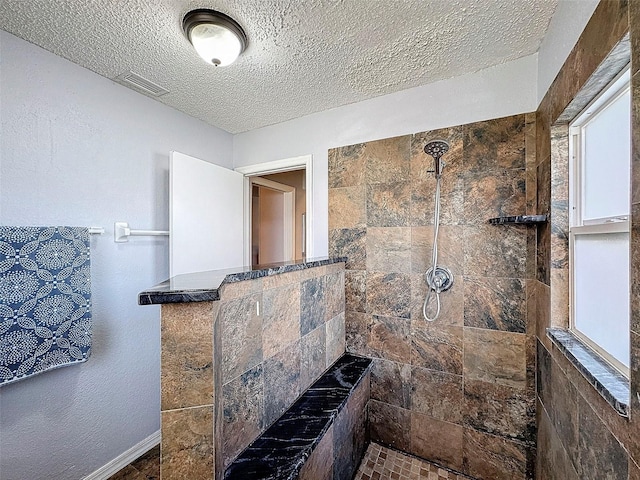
204	286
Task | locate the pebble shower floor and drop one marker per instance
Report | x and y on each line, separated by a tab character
381	463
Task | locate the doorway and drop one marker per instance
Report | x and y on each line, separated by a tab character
294	177
274	212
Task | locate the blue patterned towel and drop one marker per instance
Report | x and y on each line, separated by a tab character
45	299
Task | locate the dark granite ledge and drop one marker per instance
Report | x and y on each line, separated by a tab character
610	384
518	220
281	451
205	286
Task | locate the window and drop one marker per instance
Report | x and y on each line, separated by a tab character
599	193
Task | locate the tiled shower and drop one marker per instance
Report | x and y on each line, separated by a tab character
459	391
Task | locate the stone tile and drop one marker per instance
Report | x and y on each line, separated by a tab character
559	293
315	272
350	243
599	454
531	189
495	357
450	248
532	253
347	166
389	249
388	204
440	442
388	294
390	425
313	356
495	303
421	162
635	128
347	207
388	160
495	251
187	354
391	383
129	473
312	304
543	376
451	198
437	347
355	291
634	31
148	464
495	144
187	443
280	318
437	394
241	330
543	249
389	338
357	331
552	459
493	193
495	458
451	302
281	280
562	405
335	335
243	412
281	382
319	465
350	432
634	274
634	374
500	410
634	470
539	307
334	294
229	291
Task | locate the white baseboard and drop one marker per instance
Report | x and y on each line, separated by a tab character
121	461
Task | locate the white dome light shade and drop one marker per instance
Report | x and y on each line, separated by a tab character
217	38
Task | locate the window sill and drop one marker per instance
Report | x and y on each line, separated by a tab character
610	384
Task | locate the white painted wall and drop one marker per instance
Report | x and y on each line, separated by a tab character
567	23
78	149
499	91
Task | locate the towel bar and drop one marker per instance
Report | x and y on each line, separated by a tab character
122	232
96	230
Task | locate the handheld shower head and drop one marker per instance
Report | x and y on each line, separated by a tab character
437	148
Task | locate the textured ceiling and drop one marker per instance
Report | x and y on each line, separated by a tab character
304	56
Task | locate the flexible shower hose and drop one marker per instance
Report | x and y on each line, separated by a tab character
431	281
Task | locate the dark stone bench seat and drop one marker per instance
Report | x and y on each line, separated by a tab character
321	437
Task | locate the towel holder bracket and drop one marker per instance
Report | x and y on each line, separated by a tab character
122	232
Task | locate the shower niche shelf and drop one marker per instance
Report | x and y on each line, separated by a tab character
519	220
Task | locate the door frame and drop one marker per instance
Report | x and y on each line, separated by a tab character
304	162
288	214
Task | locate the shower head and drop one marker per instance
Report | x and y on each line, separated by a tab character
437	148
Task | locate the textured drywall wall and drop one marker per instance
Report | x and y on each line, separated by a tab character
78	149
500	91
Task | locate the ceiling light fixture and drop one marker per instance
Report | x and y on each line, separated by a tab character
217	38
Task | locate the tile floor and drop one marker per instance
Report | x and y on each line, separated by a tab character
381	463
378	463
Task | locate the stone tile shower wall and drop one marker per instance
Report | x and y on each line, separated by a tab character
228	372
580	436
459	391
268	360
